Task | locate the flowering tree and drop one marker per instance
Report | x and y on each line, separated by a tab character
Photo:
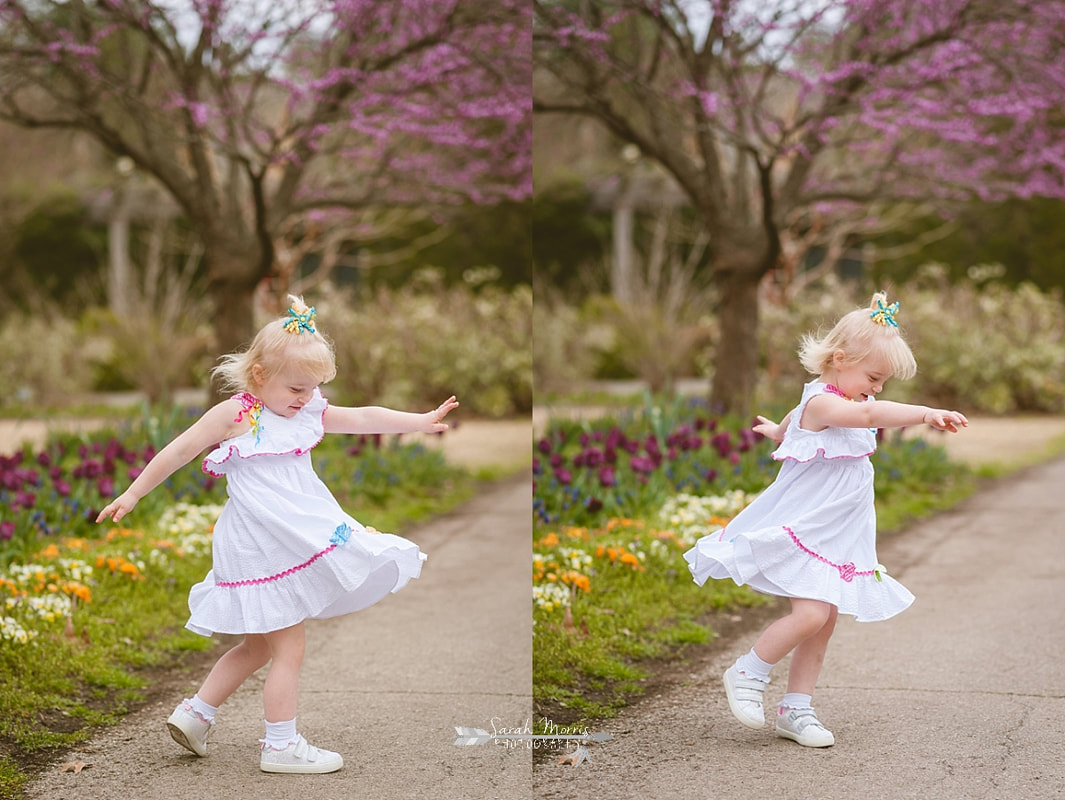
254	116
773	115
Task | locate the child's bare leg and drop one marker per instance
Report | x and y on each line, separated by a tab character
807	617
809	656
282	681
233	668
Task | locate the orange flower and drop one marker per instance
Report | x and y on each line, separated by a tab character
129	569
574	578
51	551
551	540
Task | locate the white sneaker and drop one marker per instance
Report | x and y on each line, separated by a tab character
804	727
745	697
299	757
189	729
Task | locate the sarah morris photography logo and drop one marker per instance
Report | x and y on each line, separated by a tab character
544	734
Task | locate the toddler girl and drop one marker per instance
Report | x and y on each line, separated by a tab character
284	550
811	536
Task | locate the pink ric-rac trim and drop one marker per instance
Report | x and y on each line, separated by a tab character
846	571
280	575
340	536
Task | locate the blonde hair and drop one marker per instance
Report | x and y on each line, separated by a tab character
275	347
859	336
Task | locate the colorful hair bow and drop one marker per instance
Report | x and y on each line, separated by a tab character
300	321
885	315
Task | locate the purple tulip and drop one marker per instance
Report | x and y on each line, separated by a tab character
62	488
556	460
44	459
564	476
544	446
642	464
606	476
133	472
593	457
710	476
106	486
593	505
7	530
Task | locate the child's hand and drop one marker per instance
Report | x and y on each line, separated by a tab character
769	429
118	507
943	420
435	425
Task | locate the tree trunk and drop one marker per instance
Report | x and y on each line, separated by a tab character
234	273
736	364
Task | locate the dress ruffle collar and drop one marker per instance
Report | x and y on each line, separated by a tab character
270	433
803	445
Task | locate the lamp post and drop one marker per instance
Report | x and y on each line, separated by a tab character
119	272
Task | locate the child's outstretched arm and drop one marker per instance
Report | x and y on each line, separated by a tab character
217	424
828	410
375	419
772	430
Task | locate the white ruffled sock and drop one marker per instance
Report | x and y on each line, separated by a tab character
280	735
205	710
794	701
753	667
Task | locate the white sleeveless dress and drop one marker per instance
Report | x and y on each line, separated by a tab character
284	550
812	533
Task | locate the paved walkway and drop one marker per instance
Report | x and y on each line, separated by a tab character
961	696
385	687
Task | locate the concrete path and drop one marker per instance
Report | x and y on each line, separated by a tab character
961	696
385	687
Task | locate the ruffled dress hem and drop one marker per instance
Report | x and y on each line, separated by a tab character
769	565
357	575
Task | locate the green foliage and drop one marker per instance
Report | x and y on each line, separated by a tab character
496	237
988	348
48	357
567	344
1026	236
57	253
979	346
414	346
566	236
